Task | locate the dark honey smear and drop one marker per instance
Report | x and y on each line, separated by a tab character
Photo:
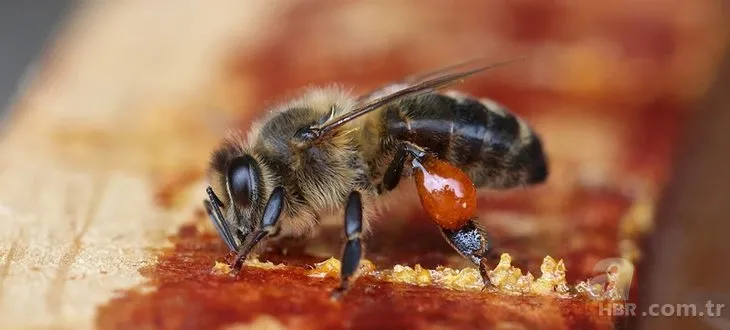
183	293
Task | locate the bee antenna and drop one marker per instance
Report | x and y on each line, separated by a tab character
439	80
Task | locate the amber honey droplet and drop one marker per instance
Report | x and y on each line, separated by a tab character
446	193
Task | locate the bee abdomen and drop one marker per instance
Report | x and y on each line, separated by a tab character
495	147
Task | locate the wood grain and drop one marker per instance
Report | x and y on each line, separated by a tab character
85	148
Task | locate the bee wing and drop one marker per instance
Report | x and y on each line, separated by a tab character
410	87
417	79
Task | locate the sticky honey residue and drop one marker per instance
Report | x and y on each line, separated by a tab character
504	277
508	279
328	268
617	281
464	279
255	262
404	274
221	268
331	268
552	279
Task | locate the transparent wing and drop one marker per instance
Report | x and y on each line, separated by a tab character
419	78
412	86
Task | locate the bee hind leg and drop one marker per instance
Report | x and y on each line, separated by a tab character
353	251
471	242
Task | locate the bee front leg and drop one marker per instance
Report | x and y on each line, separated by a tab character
213	207
471	242
353	251
266	227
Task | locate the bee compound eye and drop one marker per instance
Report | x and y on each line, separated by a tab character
243	179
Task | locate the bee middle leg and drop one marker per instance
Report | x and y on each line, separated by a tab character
353	251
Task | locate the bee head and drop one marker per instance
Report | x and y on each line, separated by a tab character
238	184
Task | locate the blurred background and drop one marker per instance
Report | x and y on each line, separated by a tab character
37	23
620	65
151	86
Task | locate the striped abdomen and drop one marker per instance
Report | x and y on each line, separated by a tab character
494	147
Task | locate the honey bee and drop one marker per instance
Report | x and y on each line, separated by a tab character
329	152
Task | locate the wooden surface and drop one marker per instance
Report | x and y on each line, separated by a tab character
124	104
102	124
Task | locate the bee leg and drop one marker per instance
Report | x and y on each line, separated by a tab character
471	242
213	207
265	228
353	251
484	272
393	174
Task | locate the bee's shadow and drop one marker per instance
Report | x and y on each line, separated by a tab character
394	241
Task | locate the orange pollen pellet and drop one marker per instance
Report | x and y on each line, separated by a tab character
447	194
